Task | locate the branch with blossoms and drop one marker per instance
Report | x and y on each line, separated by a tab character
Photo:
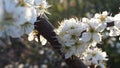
80	37
75	40
45	29
17	23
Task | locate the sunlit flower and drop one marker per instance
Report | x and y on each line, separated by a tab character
10	5
92	34
69	32
115	28
24	14
117	20
15	17
14	31
26	28
102	16
114	31
41	6
94	56
31	2
33	36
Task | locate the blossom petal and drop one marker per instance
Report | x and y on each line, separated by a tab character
101	27
94	22
14	31
114	31
10	5
97	37
30	38
43	40
117	24
117	17
86	37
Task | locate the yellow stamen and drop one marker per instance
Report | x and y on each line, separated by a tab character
40	6
102	17
35	32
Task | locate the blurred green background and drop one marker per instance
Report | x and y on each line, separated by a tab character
62	9
19	53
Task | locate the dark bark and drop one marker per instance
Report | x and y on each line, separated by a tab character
109	24
46	29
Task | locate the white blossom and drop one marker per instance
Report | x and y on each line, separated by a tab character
101	16
114	31
33	36
14	31
41	6
16	15
27	28
92	34
10	5
22	15
31	2
78	37
69	32
117	20
94	56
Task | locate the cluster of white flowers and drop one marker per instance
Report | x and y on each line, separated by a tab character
76	36
17	17
69	32
94	56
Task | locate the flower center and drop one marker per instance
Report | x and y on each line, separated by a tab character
73	36
76	44
94	54
91	30
22	3
72	27
102	17
67	47
35	32
40	6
